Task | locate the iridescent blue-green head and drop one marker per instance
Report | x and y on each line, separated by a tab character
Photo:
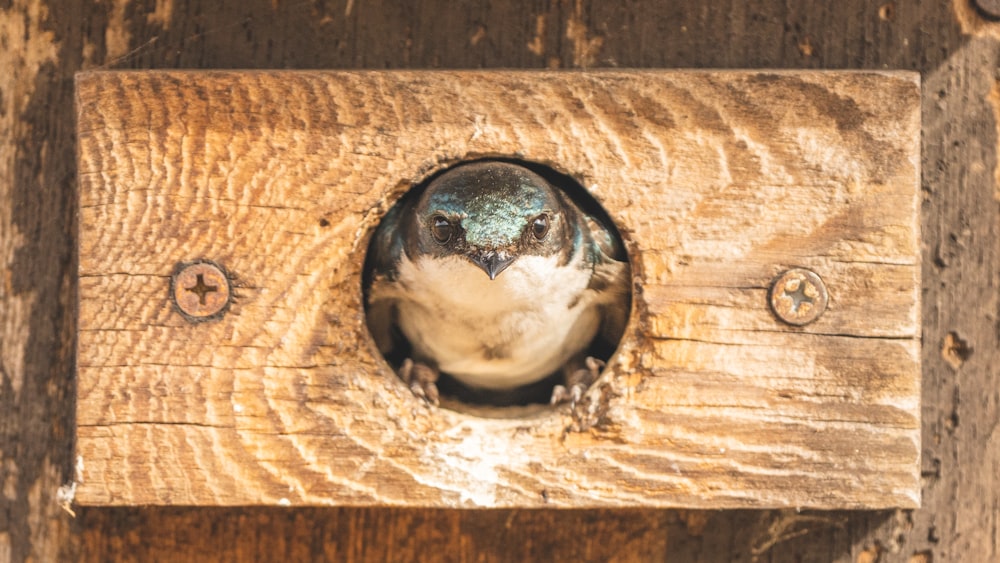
491	213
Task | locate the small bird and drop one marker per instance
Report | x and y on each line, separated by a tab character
498	279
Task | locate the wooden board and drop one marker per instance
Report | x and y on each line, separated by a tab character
718	180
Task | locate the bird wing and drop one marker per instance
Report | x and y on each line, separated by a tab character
386	248
610	280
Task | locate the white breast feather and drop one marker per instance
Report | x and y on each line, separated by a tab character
501	333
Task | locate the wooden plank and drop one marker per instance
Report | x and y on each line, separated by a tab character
710	402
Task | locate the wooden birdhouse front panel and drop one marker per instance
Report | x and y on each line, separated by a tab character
264	188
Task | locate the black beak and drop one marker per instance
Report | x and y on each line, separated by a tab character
491	262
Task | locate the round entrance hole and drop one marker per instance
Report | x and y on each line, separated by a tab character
497	282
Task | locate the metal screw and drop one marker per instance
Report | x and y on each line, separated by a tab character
798	296
988	8
200	290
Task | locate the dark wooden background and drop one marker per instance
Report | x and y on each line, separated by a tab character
42	43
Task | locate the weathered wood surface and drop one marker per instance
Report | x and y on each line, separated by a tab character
710	402
44	42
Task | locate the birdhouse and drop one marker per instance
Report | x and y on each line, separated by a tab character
771	356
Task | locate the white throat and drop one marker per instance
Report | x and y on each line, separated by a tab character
502	333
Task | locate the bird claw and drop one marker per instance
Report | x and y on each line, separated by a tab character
560	394
577	381
421	379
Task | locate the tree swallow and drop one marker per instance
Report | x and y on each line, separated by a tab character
498	279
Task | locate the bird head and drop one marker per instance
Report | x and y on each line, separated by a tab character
490	213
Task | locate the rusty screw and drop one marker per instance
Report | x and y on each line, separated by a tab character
798	296
200	290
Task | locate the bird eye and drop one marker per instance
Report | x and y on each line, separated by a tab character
540	226
441	228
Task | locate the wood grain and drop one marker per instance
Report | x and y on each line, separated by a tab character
710	402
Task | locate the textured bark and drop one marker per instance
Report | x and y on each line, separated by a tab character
43	43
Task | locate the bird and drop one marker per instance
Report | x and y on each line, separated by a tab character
499	279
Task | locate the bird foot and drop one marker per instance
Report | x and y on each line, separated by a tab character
577	382
421	379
